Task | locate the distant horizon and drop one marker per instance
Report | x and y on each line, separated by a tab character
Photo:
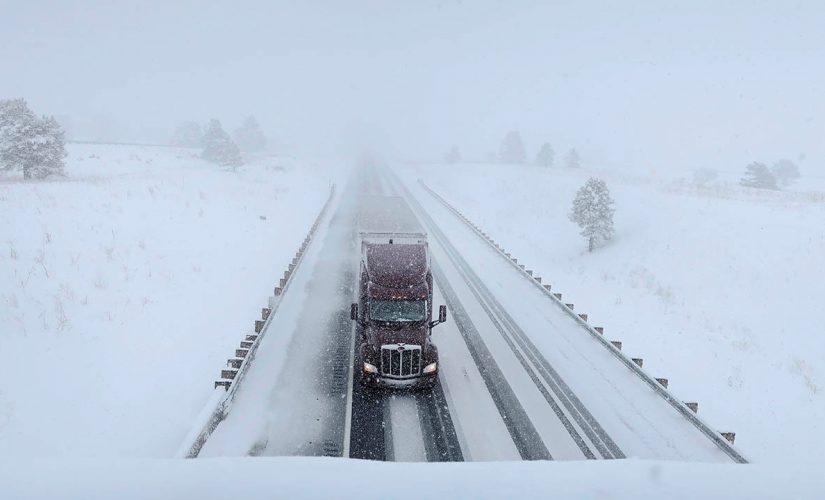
684	86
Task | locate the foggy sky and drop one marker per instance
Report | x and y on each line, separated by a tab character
649	85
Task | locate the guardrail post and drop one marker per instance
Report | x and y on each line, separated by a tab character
529	271
245	344
694	407
265	312
223	383
259	325
234	362
548	287
617	344
229	374
662	382
583	316
639	361
599	329
569	306
730	436
557	295
538	279
278	289
241	353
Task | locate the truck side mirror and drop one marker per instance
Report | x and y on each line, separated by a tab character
353	312
442	316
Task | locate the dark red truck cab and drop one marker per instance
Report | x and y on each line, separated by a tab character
395	298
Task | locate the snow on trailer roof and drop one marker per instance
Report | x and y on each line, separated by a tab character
387	215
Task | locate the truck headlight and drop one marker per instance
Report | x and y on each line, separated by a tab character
431	368
368	368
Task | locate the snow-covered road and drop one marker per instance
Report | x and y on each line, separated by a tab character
519	379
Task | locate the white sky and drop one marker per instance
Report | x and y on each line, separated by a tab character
647	85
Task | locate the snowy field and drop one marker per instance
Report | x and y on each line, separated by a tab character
718	288
124	288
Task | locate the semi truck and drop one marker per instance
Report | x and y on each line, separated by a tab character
395	298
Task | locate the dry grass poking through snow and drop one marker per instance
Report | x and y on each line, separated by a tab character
124	286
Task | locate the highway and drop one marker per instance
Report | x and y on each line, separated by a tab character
519	379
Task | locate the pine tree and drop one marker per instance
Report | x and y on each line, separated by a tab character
757	175
453	155
249	137
218	147
593	212
188	135
545	156
32	145
512	149
573	159
785	172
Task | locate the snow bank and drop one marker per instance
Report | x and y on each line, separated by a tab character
124	288
719	288
265	478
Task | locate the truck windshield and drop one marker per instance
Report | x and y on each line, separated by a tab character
398	310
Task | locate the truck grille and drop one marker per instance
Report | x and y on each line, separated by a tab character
400	360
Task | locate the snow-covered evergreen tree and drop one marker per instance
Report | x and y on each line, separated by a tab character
573	160
249	137
593	212
453	155
545	156
32	145
785	172
512	149
758	175
188	135
218	147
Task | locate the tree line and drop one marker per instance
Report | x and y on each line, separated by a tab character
512	150
217	145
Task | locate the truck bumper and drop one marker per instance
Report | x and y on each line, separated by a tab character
422	382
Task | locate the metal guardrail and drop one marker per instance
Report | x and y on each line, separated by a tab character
220	401
687	410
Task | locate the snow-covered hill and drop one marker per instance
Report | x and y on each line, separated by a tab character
124	288
719	288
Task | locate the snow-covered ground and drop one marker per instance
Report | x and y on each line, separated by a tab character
124	288
297	477
718	288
